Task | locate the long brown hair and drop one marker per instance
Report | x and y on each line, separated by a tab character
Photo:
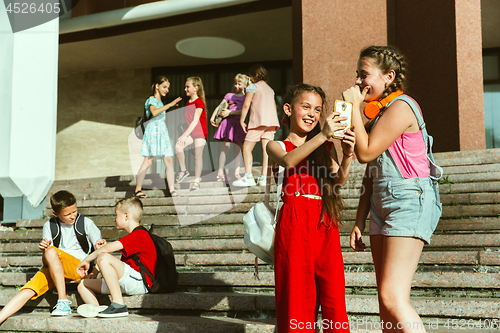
320	159
258	72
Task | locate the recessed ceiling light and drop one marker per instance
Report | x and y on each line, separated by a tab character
210	47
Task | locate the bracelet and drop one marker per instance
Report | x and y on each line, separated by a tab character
348	156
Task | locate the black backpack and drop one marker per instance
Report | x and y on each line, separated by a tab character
81	235
165	280
140	124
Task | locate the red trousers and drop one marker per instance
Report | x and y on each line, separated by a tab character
309	270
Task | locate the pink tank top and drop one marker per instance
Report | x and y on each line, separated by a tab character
408	152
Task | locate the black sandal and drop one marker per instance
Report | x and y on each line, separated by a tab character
140	194
174	194
181	176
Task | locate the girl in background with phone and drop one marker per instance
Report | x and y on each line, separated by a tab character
308	263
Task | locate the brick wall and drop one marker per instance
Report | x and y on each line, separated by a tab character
96	114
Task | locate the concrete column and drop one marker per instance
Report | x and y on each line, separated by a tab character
28	110
328	36
442	41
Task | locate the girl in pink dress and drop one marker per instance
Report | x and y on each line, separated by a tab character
263	123
229	129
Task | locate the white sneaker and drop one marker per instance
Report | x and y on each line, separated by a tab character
62	308
89	310
243	182
262	181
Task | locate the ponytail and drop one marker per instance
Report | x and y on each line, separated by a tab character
159	80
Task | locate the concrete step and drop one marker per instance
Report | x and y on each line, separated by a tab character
189	259
465	158
224	278
226	206
224	197
100	189
255	302
172	221
27	241
43	322
232	228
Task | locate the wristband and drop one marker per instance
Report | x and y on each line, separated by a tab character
348	156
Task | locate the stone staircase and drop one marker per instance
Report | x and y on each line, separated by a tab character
456	287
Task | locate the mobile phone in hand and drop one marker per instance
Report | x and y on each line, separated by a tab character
345	110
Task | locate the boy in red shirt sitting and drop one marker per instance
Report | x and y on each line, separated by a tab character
119	276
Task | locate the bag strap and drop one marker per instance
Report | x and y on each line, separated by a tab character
143	269
81	235
279	184
146	118
428	140
279	187
55	231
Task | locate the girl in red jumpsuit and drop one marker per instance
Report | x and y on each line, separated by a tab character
309	269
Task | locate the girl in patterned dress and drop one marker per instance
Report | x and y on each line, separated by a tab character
156	141
229	130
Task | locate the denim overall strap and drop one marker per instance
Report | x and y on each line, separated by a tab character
383	169
427	138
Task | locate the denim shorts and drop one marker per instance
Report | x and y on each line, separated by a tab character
130	283
405	208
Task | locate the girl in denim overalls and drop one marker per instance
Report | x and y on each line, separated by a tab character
308	264
399	189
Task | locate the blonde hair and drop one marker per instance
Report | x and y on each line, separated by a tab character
244	78
133	206
197	83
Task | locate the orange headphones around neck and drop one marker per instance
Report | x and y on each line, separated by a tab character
373	108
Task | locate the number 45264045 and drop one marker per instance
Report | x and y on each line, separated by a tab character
27	8
463	324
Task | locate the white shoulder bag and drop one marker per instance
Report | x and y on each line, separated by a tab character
260	223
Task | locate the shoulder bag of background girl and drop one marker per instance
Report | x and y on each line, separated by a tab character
141	124
260	222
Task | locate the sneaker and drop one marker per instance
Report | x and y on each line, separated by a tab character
243	182
89	310
62	308
114	310
262	181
